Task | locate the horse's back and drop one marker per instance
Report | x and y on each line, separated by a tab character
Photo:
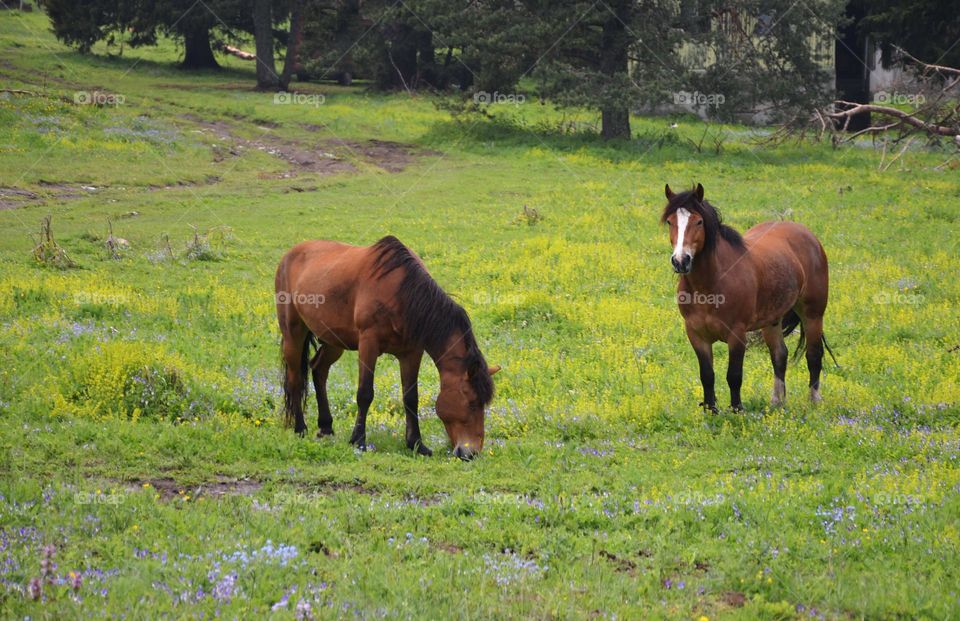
776	245
320	261
768	238
320	282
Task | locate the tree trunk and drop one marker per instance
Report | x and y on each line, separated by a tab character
291	62
267	78
615	123
614	46
427	59
198	53
399	68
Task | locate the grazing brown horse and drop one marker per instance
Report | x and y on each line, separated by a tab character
378	300
771	279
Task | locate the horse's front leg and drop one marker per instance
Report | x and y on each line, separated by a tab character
704	351
368	352
409	370
737	346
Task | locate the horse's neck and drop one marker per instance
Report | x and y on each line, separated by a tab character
710	271
452	349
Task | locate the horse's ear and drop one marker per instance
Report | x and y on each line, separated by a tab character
699	192
668	192
493	370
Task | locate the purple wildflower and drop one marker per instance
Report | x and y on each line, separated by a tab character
223	590
303	610
35	589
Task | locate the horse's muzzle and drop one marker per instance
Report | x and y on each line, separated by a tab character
465	453
683	265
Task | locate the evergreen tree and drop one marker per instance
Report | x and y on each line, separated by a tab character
927	29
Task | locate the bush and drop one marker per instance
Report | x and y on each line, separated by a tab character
130	380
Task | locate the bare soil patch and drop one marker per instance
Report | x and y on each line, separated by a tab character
12	198
390	156
734	599
169	488
15	198
325	157
621	564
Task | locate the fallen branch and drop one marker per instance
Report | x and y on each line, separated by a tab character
933	111
903	117
235	51
873	129
17	91
899	155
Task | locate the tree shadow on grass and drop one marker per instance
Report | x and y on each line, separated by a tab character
172	69
649	143
480	135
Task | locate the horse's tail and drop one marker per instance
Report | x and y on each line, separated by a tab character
295	395
829	351
790	322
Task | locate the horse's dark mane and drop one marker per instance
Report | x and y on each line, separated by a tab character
714	227
430	316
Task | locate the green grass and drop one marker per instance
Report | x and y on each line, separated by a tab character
139	416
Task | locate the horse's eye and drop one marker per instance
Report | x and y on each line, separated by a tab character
700	223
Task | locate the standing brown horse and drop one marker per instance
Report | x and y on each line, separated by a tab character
378	300
771	279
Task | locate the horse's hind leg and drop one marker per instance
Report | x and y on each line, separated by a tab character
813	330
294	343
321	364
773	337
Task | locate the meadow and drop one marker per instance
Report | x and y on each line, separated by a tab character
145	471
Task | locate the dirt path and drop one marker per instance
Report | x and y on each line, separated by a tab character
325	157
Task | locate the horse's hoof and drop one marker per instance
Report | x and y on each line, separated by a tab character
737	408
421	449
710	408
323	433
359	440
301	432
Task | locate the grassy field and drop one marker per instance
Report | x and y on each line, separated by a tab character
144	470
